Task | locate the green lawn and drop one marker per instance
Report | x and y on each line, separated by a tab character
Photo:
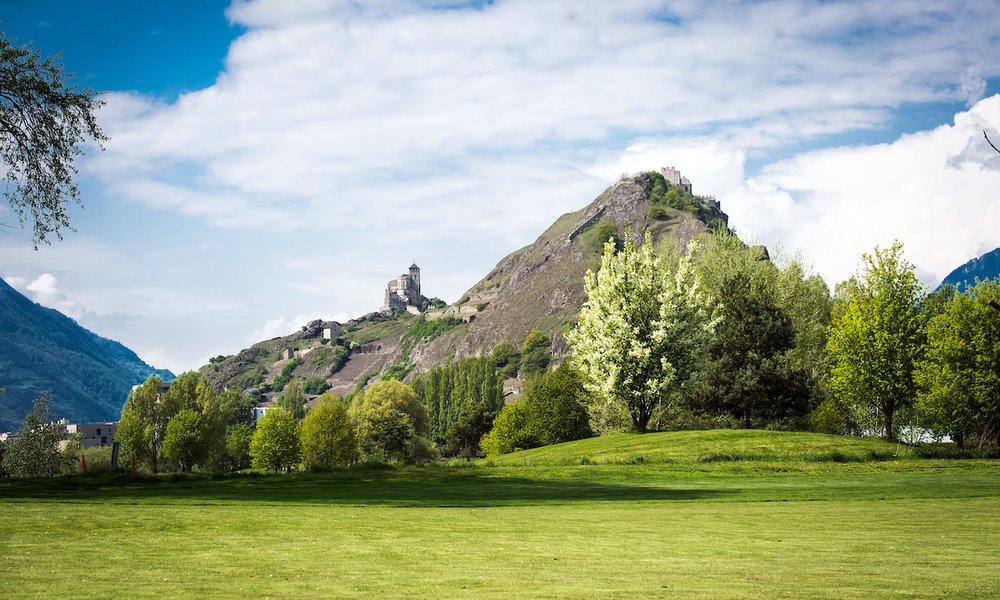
788	527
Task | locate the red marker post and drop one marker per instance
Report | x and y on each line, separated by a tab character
133	467
83	459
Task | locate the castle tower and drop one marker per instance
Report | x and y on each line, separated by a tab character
415	278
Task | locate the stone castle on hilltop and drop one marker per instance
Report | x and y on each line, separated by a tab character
403	292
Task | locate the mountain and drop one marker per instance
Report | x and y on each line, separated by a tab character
986	266
42	349
539	287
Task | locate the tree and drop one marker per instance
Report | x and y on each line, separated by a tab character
878	339
44	121
35	450
643	333
384	433
451	392
507	359
293	400
749	371
959	377
535	356
238	439
396	395
556	410
327	438
185	441
463	437
510	432
143	423
275	444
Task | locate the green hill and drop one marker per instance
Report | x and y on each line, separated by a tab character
706	446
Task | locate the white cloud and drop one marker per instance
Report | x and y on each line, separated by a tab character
356	112
972	85
44	290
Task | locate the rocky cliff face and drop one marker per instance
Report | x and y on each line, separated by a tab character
539	286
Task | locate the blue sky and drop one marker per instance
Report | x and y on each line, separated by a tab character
272	162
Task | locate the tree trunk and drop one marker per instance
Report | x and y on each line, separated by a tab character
887	423
960	440
745	419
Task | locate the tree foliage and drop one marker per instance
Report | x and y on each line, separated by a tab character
390	422
643	333
186	439
556	408
143	424
293	400
535	355
878	339
238	439
959	377
507	360
454	391
44	122
510	432
275	444
328	440
34	452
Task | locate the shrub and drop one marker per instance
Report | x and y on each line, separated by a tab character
510	432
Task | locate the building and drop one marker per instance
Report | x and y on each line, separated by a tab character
93	434
403	291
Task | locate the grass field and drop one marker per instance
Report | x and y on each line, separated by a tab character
777	525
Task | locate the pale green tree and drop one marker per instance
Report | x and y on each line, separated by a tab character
643	333
328	440
384	433
510	432
293	400
877	339
238	438
34	452
960	374
143	424
186	439
275	444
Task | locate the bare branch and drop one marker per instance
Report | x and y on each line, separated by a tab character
989	142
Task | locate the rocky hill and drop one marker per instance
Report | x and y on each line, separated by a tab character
539	286
985	267
42	349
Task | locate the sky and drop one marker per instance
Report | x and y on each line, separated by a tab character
271	162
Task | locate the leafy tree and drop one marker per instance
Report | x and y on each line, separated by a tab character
507	359
959	377
293	400
643	333
556	409
384	433
396	395
185	441
510	432
878	339
35	450
535	356
275	444
3	451
327	438
315	385
463	437
44	121
238	439
143	423
749	372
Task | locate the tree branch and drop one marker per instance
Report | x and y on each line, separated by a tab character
989	142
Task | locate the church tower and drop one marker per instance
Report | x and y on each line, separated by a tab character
415	278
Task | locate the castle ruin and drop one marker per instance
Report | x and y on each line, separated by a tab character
403	292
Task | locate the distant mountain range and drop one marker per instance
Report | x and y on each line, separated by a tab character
986	266
42	349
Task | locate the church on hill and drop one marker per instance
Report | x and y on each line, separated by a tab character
403	292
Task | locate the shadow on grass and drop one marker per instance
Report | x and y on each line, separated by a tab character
416	487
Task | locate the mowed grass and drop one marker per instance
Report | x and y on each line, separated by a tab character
708	446
730	529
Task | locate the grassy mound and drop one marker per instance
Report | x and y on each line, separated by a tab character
707	446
